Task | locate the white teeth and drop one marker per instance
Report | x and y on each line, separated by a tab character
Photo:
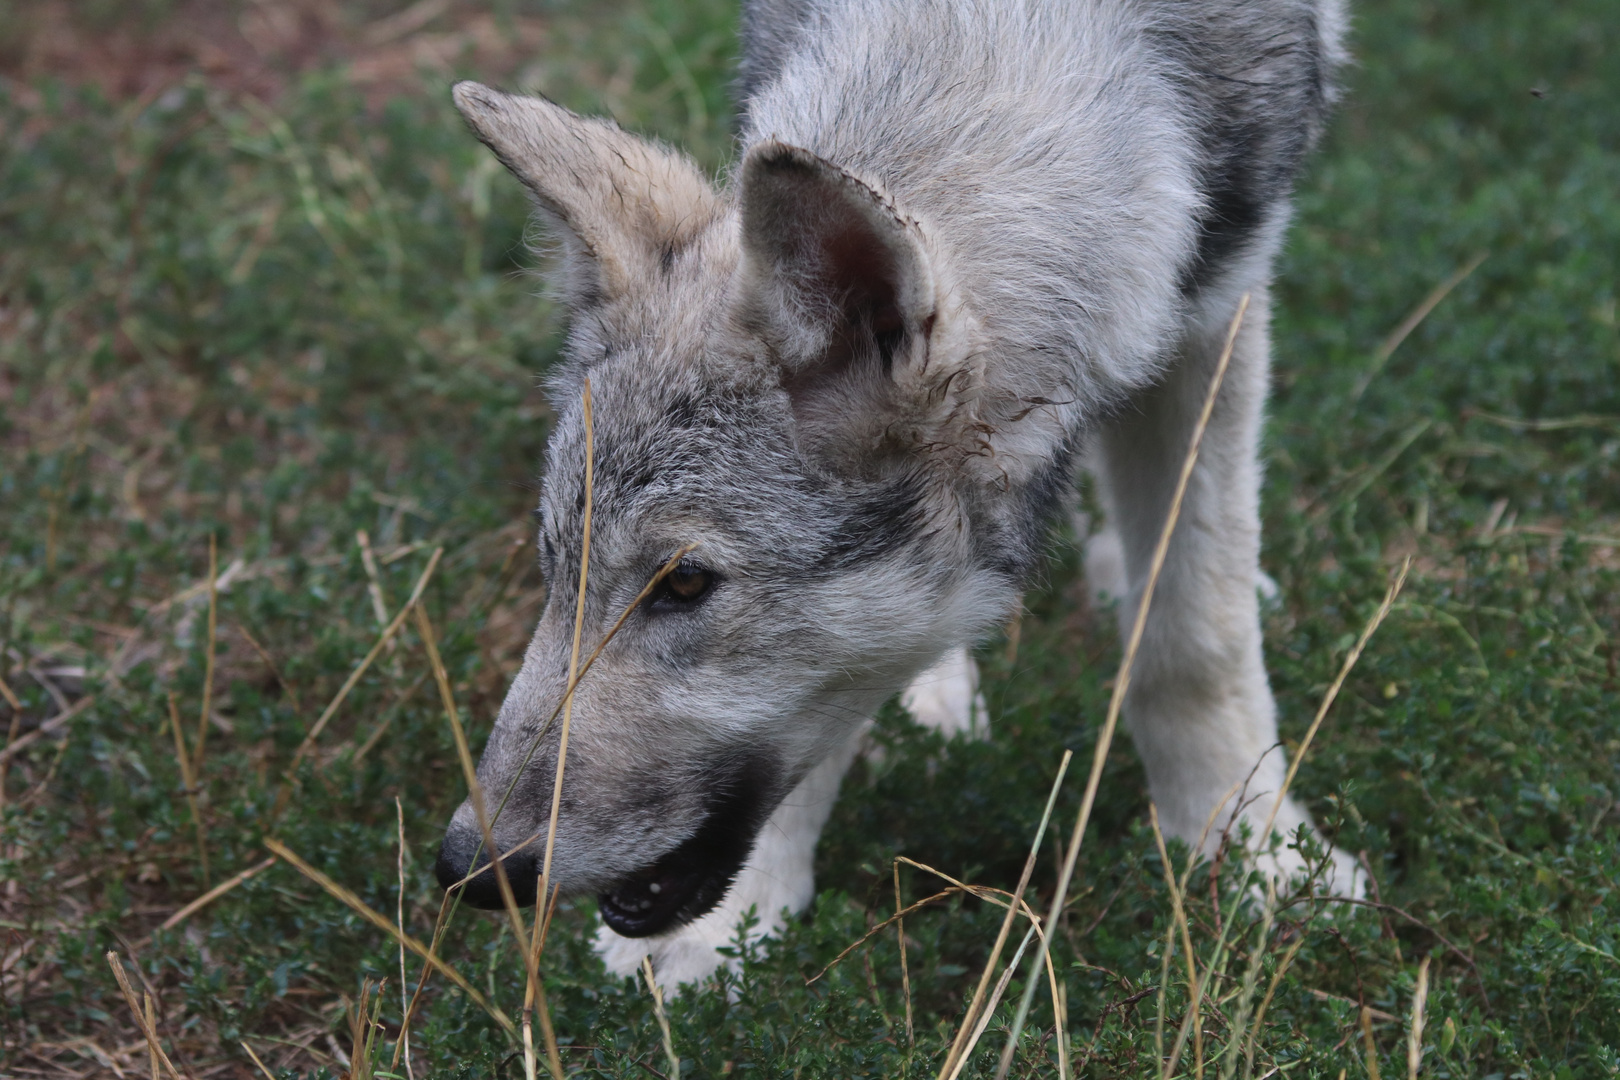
655	888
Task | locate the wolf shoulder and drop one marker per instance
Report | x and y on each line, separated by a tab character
1268	63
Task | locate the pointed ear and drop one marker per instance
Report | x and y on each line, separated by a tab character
831	272
624	205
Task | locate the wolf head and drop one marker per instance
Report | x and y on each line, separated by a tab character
784	385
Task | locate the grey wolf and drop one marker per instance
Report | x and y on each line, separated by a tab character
968	247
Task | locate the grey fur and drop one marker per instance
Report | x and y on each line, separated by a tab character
966	240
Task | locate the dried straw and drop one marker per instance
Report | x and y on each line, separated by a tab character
11	698
1387	347
208	662
1414	1030
573	660
534	995
962	1045
1122	681
291	776
214	894
262	1067
49	727
383	923
449	905
663	1020
1178	908
188	778
1293	770
905	971
475	791
143	1018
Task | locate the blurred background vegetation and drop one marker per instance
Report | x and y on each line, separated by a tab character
258	284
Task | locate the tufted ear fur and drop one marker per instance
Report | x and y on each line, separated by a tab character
623	205
835	277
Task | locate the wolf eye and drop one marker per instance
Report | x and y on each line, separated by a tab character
683	586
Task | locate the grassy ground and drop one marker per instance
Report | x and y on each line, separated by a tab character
277	319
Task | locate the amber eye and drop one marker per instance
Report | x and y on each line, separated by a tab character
686	584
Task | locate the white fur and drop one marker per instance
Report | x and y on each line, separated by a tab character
946	697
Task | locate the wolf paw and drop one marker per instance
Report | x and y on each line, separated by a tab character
946	697
1289	867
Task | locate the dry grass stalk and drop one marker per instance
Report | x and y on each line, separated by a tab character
188	777
1551	423
214	894
1046	817
448	906
1218	954
440	924
585	668
663	1020
1387	347
49	727
1061	1034
1333	692
209	654
534	993
399	920
383	923
363	1029
1035	931
475	790
349	684
1414	1030
1369	1048
389	715
275	669
1178	891
1122	681
1283	965
994	999
143	1018
529	987
262	1067
1178	909
532	996
999	897
905	970
11	697
379	601
961	1046
981	892
579	627
1251	981
151	1022
11	734
891	920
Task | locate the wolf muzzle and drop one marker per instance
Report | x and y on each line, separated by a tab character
680	886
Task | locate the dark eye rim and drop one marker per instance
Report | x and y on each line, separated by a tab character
665	598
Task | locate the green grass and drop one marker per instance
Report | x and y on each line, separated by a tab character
277	325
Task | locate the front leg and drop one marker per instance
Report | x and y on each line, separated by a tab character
1200	710
777	880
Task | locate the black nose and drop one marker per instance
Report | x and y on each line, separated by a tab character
456	860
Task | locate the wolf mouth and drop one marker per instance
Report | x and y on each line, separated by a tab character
689	881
